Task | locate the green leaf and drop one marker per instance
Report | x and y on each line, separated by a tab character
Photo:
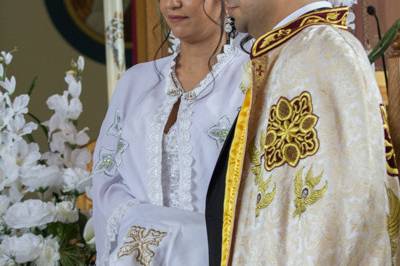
385	43
33	85
44	129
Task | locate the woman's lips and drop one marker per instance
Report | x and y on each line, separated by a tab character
173	18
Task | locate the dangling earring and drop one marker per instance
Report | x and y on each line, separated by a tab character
230	28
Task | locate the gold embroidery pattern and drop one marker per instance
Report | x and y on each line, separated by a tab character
391	165
332	18
259	71
291	133
306	192
336	17
141	241
393	220
275	36
264	196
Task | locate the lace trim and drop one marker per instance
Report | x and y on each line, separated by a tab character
185	157
170	168
201	90
154	185
113	224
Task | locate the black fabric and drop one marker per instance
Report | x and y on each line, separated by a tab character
215	202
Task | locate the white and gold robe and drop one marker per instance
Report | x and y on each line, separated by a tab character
311	177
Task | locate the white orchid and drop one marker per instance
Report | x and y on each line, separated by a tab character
6	57
30	213
42	177
76	179
68	135
77	158
23	249
4	203
19	127
9	84
6	261
80	63
49	255
15	192
38	190
1	71
74	86
18	159
65	108
66	212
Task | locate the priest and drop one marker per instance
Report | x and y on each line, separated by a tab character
308	175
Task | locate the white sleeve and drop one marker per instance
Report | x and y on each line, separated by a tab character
117	213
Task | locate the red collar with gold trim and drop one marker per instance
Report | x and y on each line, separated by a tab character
336	17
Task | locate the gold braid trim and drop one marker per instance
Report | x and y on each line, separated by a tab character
233	177
336	17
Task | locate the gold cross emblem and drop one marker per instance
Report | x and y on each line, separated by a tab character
141	241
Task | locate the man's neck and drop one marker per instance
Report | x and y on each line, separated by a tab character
282	10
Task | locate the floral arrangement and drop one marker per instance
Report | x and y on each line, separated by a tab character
40	223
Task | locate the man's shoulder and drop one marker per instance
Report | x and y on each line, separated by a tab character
327	41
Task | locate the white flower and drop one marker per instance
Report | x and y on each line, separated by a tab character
81	63
20	104
42	177
74	86
6	261
4	203
18	159
68	134
76	180
50	255
15	192
1	70
6	113
7	57
53	159
66	212
88	233
78	158
9	84
24	249
19	127
8	170
65	108
30	213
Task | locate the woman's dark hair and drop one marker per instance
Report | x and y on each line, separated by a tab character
167	33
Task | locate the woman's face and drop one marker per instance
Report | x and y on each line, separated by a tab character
188	19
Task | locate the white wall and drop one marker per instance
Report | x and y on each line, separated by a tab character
43	52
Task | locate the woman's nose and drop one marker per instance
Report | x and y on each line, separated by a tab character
174	4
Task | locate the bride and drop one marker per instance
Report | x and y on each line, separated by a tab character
160	140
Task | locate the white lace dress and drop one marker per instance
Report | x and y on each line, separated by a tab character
149	189
170	168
